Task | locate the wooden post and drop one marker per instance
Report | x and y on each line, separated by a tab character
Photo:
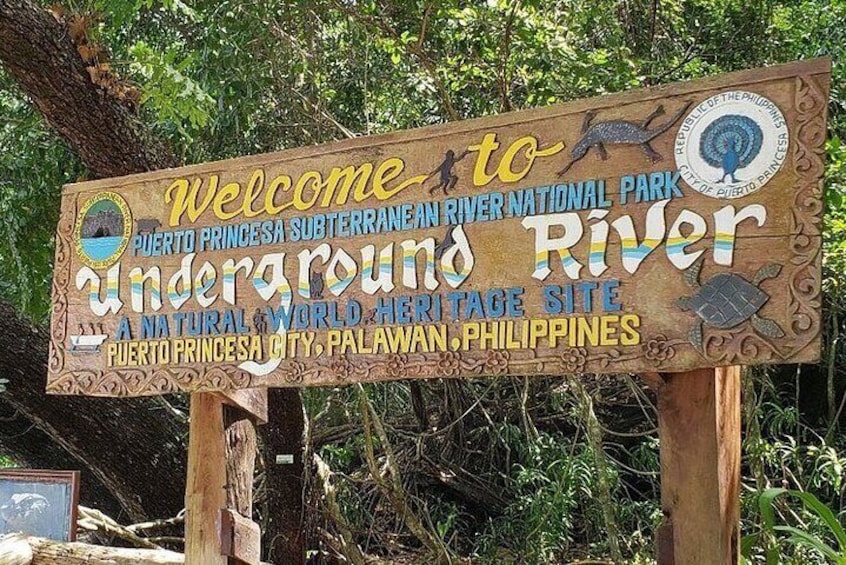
699	427
219	491
205	494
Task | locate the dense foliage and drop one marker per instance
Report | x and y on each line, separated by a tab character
504	470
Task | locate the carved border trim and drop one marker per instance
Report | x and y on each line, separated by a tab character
722	347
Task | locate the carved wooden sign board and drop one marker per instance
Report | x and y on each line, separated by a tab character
663	229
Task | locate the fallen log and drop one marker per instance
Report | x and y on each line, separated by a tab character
17	549
14	550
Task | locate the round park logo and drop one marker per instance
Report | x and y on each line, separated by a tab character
103	229
731	144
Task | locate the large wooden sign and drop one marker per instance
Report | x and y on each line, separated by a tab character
658	230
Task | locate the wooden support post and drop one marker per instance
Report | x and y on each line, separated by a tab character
240	536
241	446
699	427
205	494
240	539
221	460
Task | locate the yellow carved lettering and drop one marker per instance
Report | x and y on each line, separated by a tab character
488	145
313	178
283	181
360	176
386	172
186	201
229	193
254	188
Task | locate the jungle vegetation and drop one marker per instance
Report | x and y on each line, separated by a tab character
506	470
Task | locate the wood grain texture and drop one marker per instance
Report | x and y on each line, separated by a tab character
205	494
240	539
699	430
253	401
241	446
504	252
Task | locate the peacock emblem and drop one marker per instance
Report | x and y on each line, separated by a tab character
730	143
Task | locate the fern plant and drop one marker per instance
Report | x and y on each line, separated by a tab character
797	536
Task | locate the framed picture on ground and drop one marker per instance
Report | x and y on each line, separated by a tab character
42	503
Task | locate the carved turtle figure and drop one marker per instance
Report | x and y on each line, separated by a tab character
726	300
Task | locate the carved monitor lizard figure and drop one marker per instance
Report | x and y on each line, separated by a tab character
621	132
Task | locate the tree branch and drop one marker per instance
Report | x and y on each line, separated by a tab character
91	429
135	447
503	79
413	49
39	54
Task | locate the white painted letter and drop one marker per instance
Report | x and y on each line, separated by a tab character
183	275
101	307
306	259
385	279
230	269
726	221
676	242
410	249
136	279
634	253
573	231
598	243
278	282
203	282
338	285
455	278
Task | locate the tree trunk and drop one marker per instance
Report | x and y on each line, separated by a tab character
134	447
38	52
283	435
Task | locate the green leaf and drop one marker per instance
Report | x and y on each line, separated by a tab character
747	543
766	503
835	199
801	537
